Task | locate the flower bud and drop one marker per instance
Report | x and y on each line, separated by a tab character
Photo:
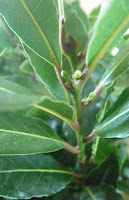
77	74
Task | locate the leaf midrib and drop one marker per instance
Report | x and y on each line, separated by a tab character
30	135
113	119
102	83
41	32
52	112
37	170
107	43
90	193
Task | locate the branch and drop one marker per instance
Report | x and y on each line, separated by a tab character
90	137
70	148
67	86
88	101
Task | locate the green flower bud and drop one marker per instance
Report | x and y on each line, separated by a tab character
77	74
65	76
91	95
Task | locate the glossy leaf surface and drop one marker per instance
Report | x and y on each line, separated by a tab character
56	107
74	25
23	135
112	22
116	122
39	17
117	67
14	96
47	74
30	176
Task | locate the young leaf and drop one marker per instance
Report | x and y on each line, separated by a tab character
109	29
23	135
75	37
81	14
102	192
14	96
93	17
39	18
116	122
74	25
24	177
57	108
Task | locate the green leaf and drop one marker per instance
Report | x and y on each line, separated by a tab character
5	43
93	17
117	67
106	172
110	26
57	108
104	192
116	122
122	83
105	148
14	96
24	177
24	135
35	86
26	67
46	73
74	25
39	18
81	14
107	103
77	28
123	185
121	158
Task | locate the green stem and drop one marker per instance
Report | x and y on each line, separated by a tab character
78	111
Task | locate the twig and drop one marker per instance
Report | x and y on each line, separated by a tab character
70	148
90	137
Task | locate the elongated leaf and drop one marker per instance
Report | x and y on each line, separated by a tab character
81	14
57	108
14	96
74	25
46	73
34	86
93	17
117	66
54	106
105	148
23	135
107	103
116	122
4	39
100	193
24	177
39	18
111	24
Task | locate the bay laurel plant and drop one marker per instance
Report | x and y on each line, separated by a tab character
64	100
